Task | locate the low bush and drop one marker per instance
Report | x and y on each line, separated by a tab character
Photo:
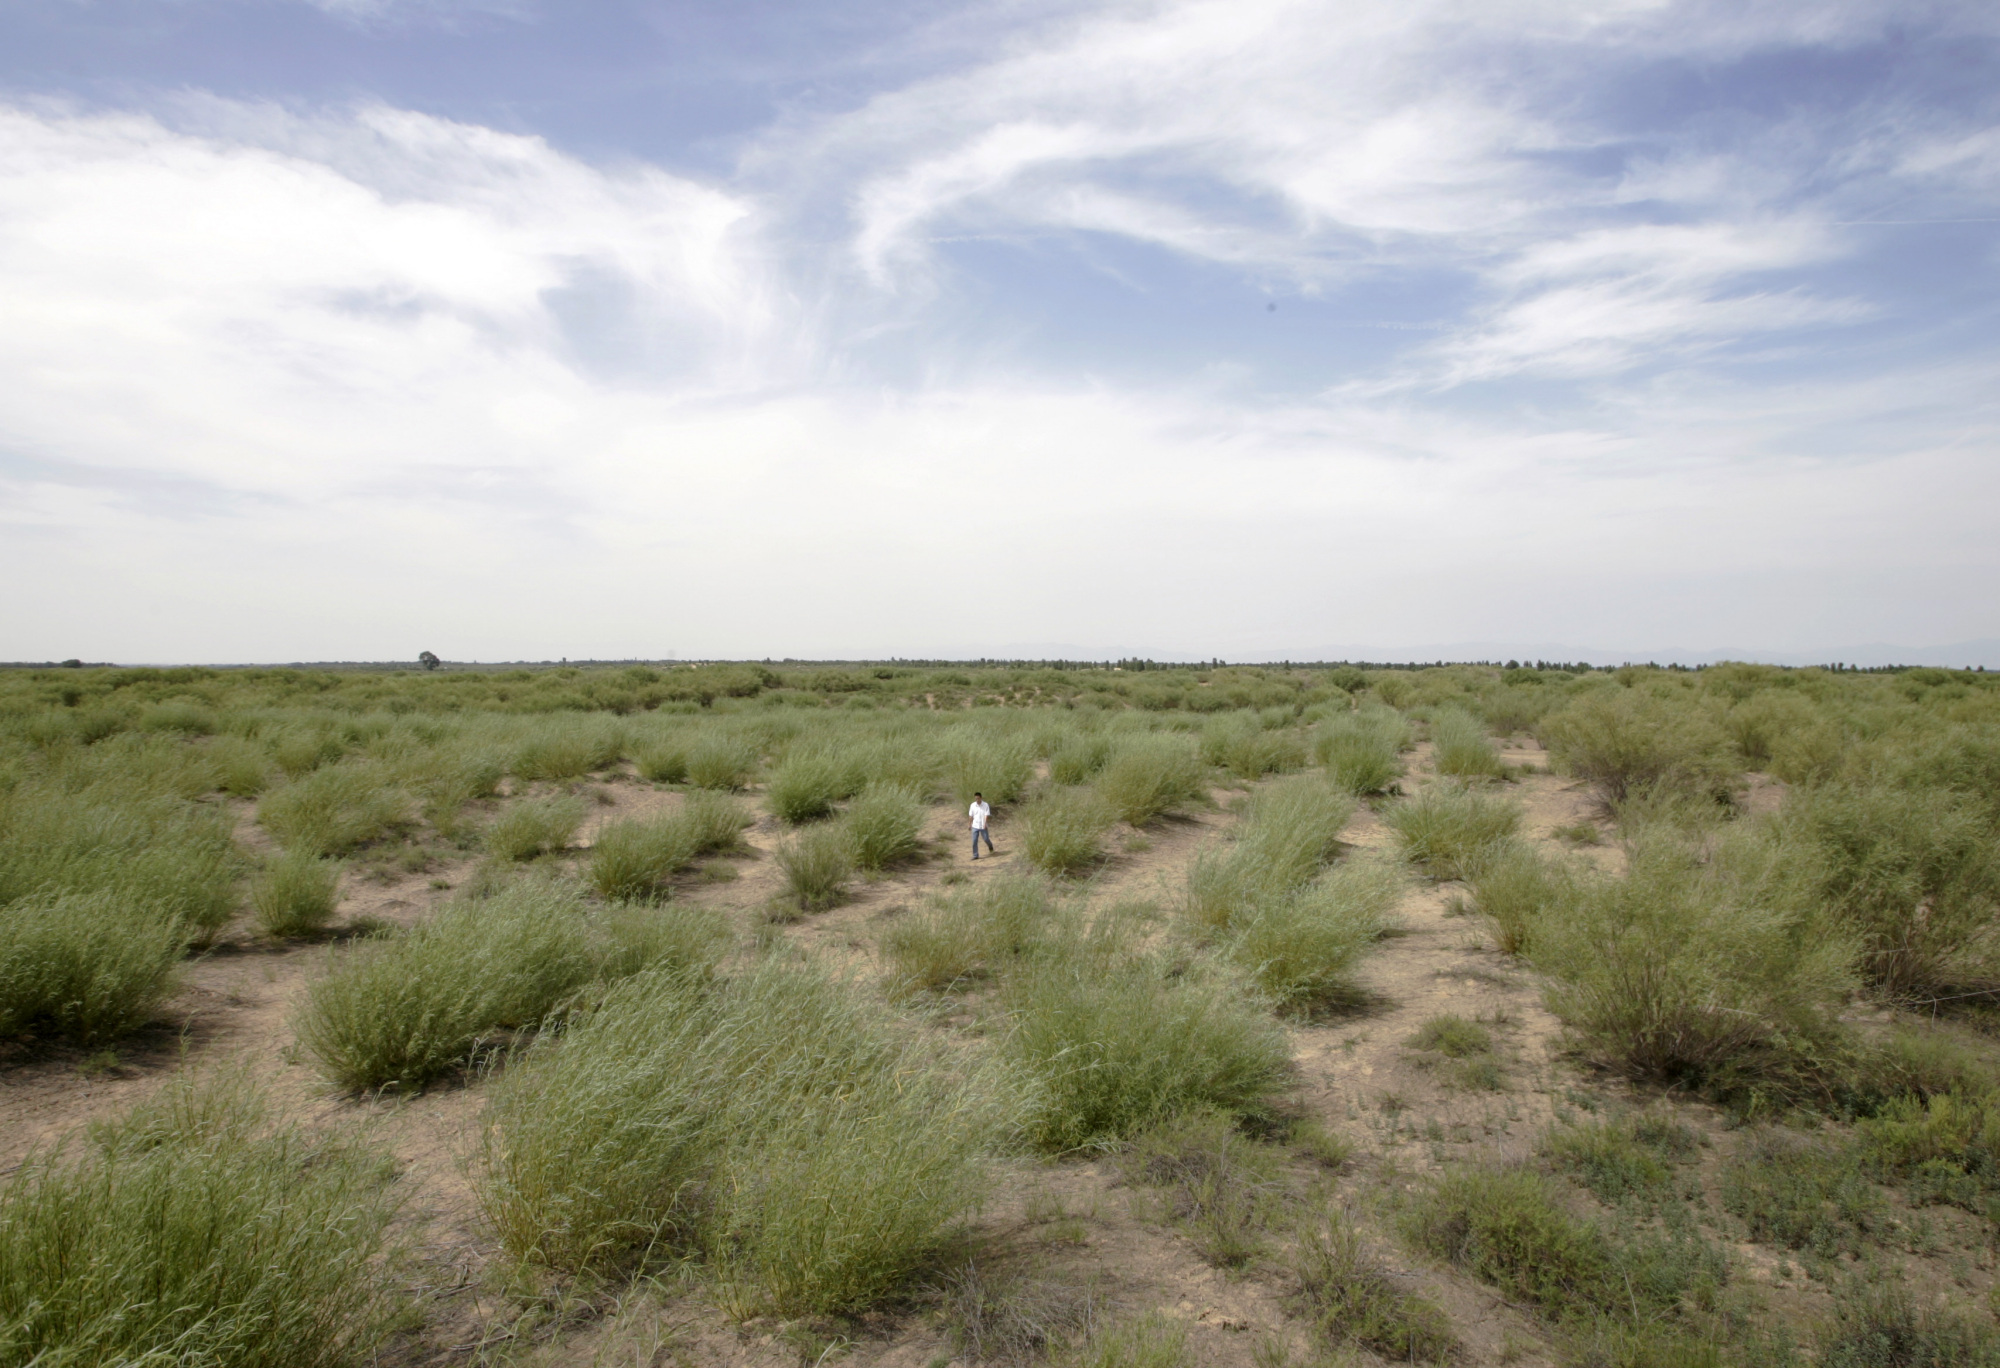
663	762
399	1013
191	1233
1877	1324
1219	1186
1629	1159
1352	1299
1005	1313
1361	755
1943	1148
1519	888
1287	833
1623	741
1511	1228
1460	746
535	826
1684	972
997	766
1802	1195
1123	1045
296	894
1078	759
335	809
971	935
1302	948
1062	831
633	859
568	748
673	1122
885	825
1147	778
1249	751
807	786
1450	830
721	762
86	967
816	864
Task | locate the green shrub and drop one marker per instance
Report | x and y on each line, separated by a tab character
1511	1228
1626	740
816	864
885	825
1877	1324
1801	1195
1450	830
87	967
1302	948
400	1013
535	826
1248	750
1148	1341
1152	776
1683	971
568	748
724	1124
1351	1299
1943	1148
241	767
683	940
1621	1160
296	894
633	859
1123	1045
664	762
721	762
1287	833
807	786
1913	876
1461	747
192	1234
1519	887
301	750
335	809
971	934
1361	755
999	767
445	782
1452	1035
1079	759
1063	830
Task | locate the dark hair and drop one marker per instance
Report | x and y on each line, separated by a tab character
977	794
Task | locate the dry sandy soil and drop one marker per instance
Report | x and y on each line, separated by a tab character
1075	1221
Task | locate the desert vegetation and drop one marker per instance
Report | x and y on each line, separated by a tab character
1464	1014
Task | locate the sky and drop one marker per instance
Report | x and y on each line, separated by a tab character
515	329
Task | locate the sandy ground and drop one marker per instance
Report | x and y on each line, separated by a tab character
1404	1115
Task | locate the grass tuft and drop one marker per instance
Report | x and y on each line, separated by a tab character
885	825
816	864
535	826
1063	830
1449	830
86	967
296	894
1352	1299
1150	777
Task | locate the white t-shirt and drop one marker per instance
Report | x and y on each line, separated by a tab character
980	812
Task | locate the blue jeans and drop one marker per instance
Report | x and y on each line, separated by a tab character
977	833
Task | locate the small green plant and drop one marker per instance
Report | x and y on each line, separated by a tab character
190	1233
1802	1195
1452	1036
1632	1158
1219	1187
807	786
663	762
816	864
885	825
721	762
633	859
296	894
1149	1341
1152	776
1362	753
1877	1324
1449	829
1519	888
333	810
1461	747
1302	948
535	826
1579	834
85	967
1063	830
962	938
1353	1300
1123	1045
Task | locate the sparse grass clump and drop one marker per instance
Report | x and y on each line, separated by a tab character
1008	1314
1877	1324
1218	1186
1453	1036
1148	1341
663	762
721	762
333	810
535	826
807	786
1123	1045
1288	832
568	748
971	935
1449	830
1152	776
401	1012
1519	888
816	864
633	859
885	825
1362	753
1802	1195
296	894
1249	751
1352	1299
192	1234
1063	830
1461	747
86	967
1624	1160
776	1128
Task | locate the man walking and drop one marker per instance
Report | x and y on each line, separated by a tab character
980	811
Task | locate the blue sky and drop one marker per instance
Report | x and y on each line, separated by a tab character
523	330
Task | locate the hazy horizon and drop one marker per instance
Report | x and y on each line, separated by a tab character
496	327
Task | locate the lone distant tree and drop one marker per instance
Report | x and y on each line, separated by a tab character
429	660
